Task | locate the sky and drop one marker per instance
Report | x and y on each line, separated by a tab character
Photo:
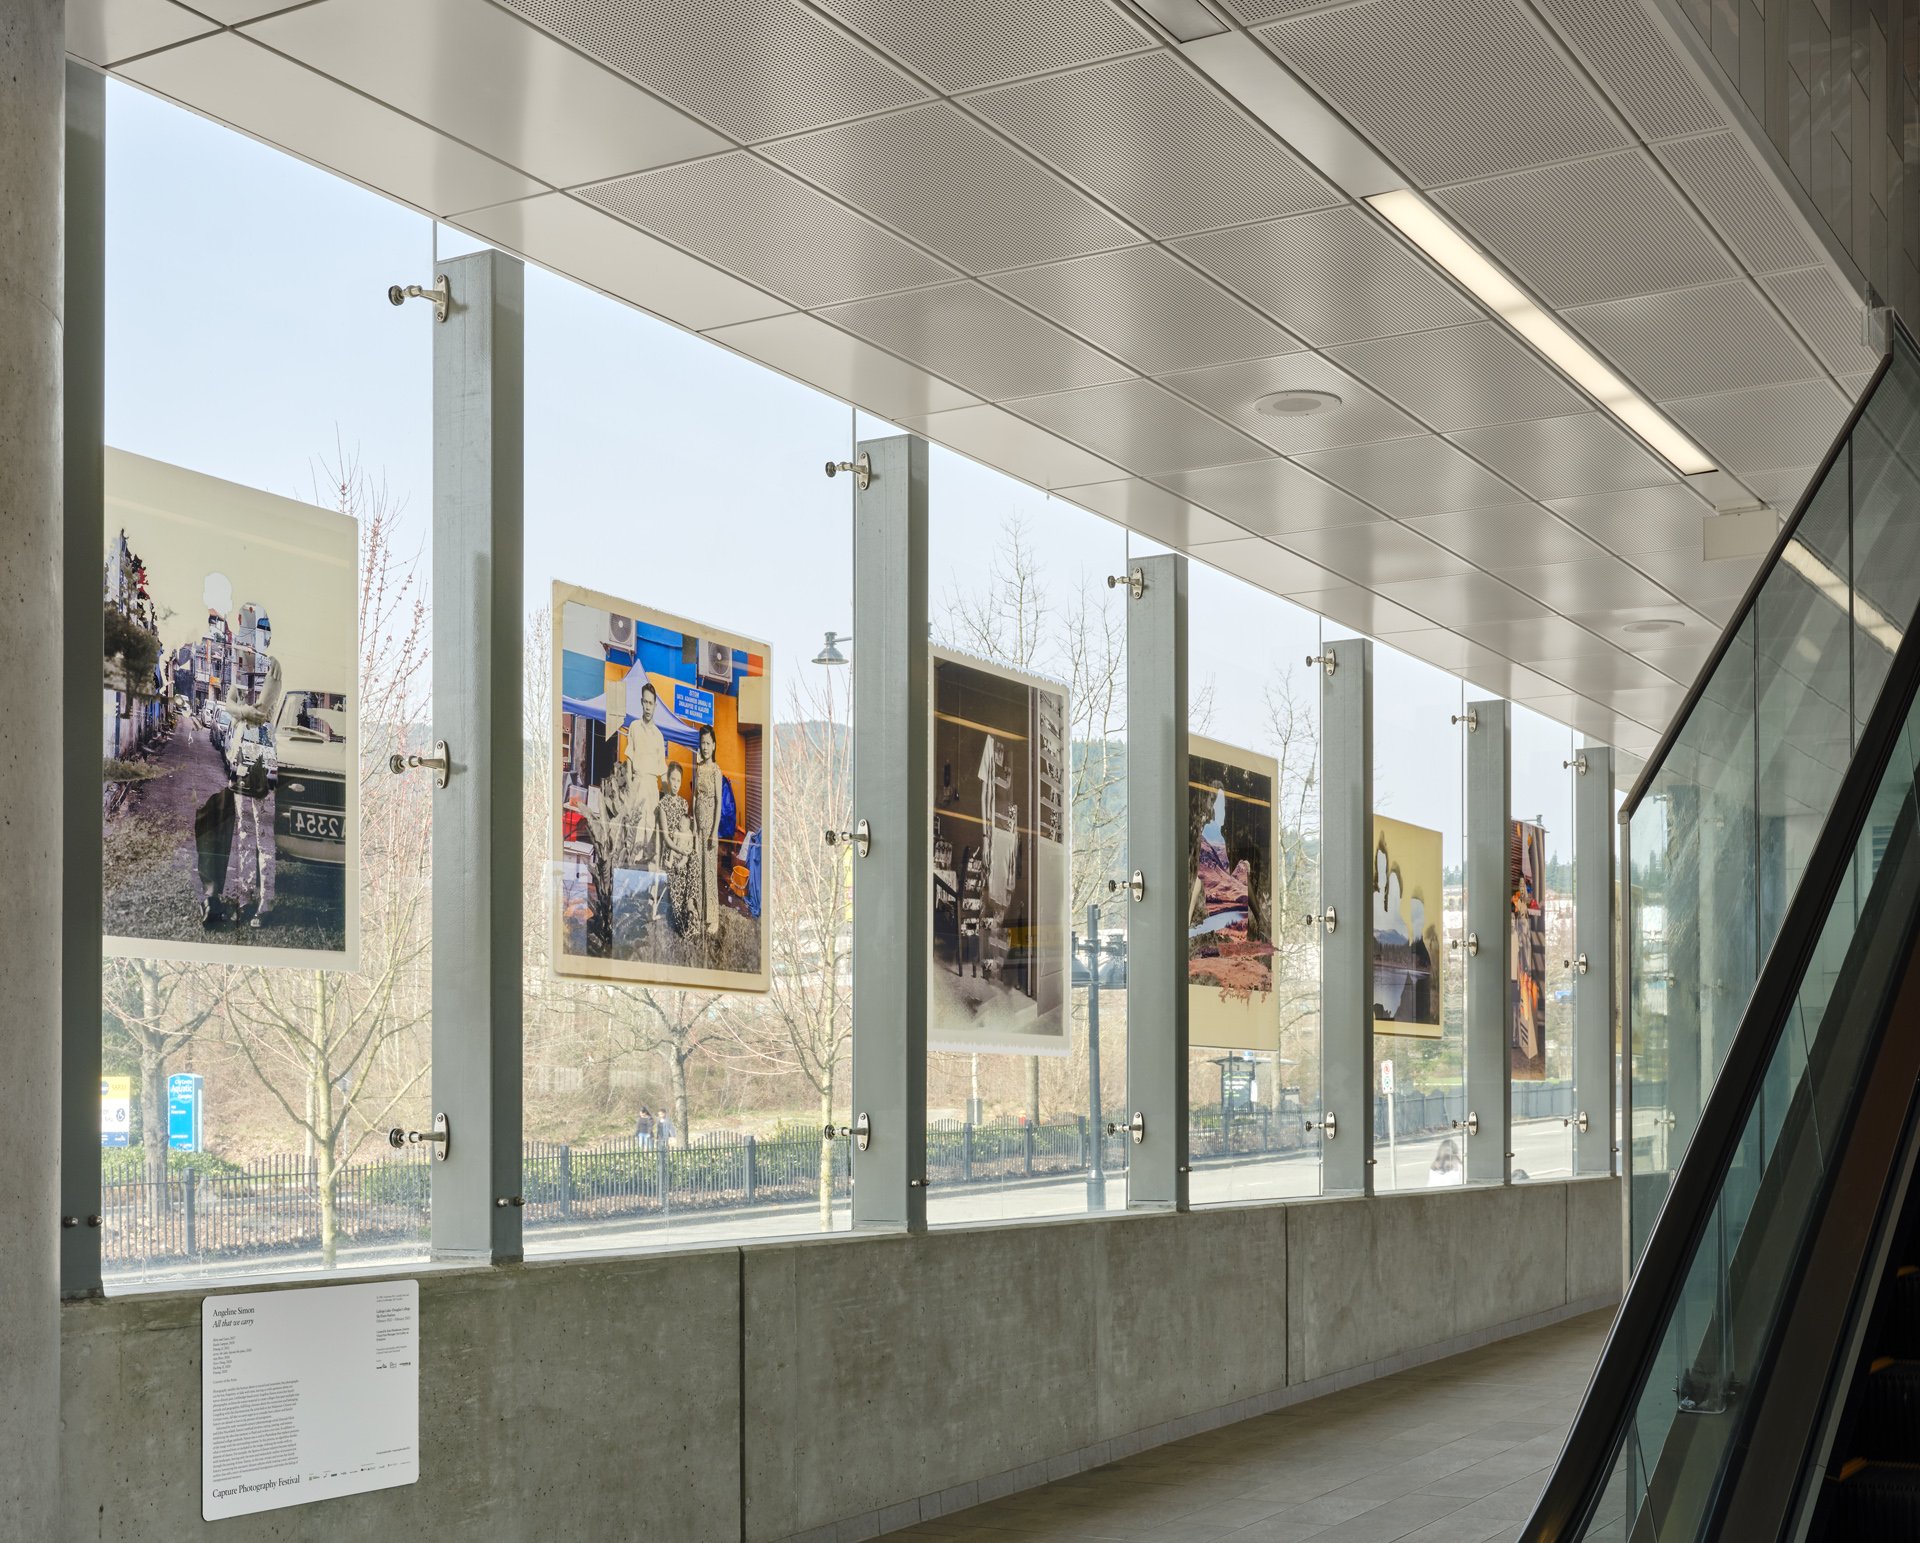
249	335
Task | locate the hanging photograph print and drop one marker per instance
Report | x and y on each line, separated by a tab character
1527	954
1406	919
229	742
998	980
1230	897
659	797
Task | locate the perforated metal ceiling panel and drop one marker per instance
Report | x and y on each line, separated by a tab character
1376	554
1537	637
1516	534
1367	285
1154	512
1639	71
1732	339
1451	89
1830	317
1269	566
1641	520
1140	426
1765	429
1272	498
738	213
1412	477
978	340
1747	211
812	350
751	68
1357	417
954	187
1463	377
1462	599
1601	584
1148	307
1602	673
1687	574
1595	230
102	31
1561	457
1363	611
959	47
1158	143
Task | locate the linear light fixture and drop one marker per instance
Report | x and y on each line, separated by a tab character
1870	619
1421	224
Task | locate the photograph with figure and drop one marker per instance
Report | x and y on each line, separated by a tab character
659	789
229	738
1230	882
1527	953
1000	861
1406	929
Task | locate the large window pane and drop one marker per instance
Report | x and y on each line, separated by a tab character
699	749
1419	778
1032	693
1542	791
252	1070
1253	1073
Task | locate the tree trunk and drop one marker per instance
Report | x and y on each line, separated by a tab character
153	1110
325	1173
677	1057
826	1158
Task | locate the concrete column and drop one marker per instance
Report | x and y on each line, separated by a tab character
1346	893
32	134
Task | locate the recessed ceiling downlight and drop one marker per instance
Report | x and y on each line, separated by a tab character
1296	404
1653	624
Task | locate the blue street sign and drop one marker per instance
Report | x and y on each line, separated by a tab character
692	705
185	1099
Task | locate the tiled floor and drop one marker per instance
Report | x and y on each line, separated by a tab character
1452	1452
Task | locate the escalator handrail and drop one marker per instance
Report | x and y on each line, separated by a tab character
1677	724
1586	1460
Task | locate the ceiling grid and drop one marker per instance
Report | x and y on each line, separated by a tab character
1041	234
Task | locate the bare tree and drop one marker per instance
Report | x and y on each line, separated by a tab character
1293	737
1014	620
338	1052
160	1008
804	1025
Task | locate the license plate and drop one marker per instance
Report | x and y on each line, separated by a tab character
316	823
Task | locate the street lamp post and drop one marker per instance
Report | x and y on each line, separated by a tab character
1097	1170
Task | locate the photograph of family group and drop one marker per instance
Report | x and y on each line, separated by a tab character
1000	877
1407	916
230	761
660	796
1230	874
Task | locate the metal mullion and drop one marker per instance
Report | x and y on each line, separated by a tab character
478	669
83	407
1346	939
1489	1075
1593	927
893	795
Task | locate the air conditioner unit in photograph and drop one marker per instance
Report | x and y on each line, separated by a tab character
716	662
620	630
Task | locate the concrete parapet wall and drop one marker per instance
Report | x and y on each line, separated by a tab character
838	1387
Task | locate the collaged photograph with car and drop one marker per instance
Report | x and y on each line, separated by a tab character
229	746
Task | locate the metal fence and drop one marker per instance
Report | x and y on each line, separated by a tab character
274	1208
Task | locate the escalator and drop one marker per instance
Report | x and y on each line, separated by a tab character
1762	1378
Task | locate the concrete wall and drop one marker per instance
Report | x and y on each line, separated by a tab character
32	134
837	1387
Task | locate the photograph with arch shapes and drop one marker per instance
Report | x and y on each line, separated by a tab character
1527	954
1230	903
230	731
1406	920
660	769
998	980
